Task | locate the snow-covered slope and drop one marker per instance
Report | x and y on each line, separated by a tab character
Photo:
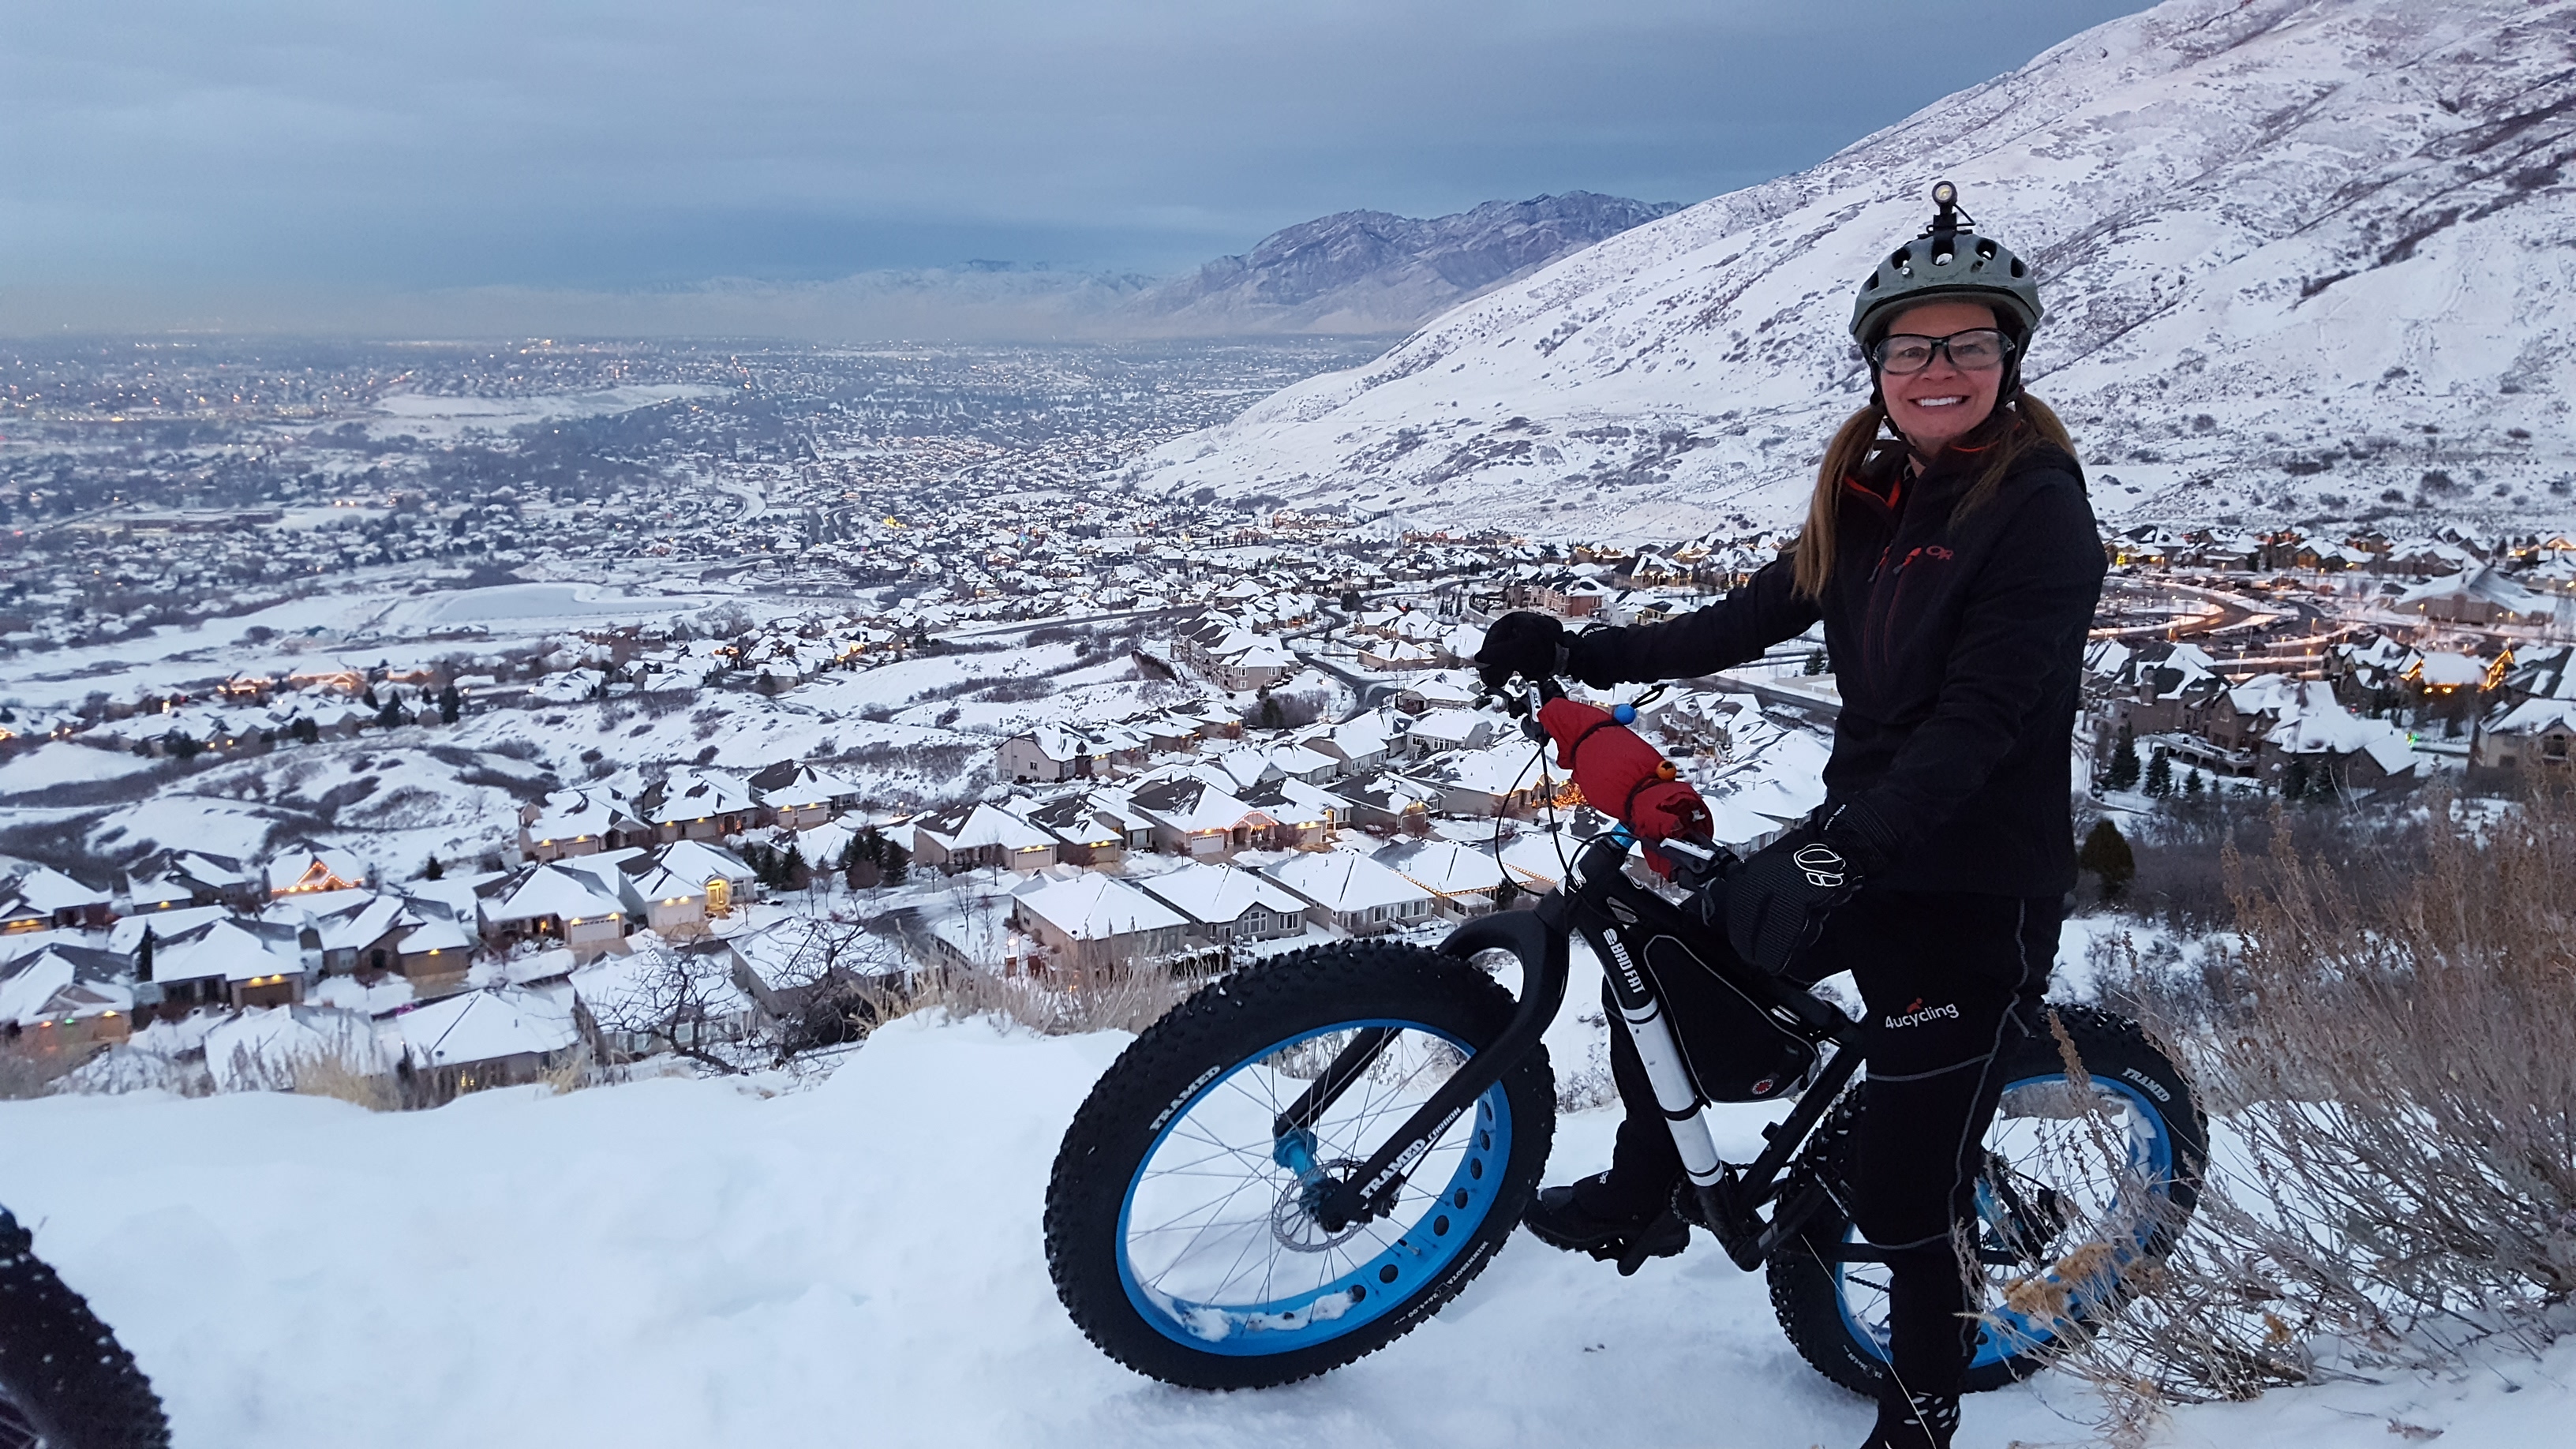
686	1263
2299	257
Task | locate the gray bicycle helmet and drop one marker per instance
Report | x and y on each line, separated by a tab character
1949	260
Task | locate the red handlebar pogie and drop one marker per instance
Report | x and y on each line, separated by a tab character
1622	774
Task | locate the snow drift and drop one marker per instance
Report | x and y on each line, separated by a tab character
690	1263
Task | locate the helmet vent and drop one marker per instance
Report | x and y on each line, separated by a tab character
2018	269
1985	251
1941	259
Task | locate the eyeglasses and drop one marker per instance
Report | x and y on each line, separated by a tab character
1975	350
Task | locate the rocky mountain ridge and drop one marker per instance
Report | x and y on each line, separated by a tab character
1372	271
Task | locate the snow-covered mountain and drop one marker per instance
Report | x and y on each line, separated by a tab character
2304	259
1371	271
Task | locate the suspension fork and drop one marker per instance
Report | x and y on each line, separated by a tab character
1641	1014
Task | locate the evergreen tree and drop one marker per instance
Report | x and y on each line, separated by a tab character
2107	855
306	732
1271	716
143	958
391	715
2191	785
434	870
1507	892
2294	780
181	745
2160	773
1815	662
370	696
1351	601
2123	774
793	872
450	705
898	864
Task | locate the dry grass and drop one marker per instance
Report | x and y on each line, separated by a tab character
2392	1076
324	1075
1124	997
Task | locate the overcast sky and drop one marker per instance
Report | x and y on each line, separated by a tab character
176	162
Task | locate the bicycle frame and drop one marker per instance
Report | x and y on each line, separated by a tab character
1616	917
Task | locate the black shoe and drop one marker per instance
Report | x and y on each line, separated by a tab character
1574	1217
1917	1421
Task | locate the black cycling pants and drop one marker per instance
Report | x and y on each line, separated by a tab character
1952	982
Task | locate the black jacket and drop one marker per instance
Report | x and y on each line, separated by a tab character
1958	645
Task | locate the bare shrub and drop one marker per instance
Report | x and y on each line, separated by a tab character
28	1074
325	1075
2393	1057
1013	691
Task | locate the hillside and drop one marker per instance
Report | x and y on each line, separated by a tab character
2305	262
1373	272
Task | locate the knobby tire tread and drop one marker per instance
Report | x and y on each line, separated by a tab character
61	1366
1223	1025
1803	1297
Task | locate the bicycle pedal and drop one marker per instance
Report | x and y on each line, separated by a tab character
1666	1237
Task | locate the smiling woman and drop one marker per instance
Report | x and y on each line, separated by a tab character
305	164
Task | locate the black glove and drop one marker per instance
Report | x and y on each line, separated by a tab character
1529	645
1777	903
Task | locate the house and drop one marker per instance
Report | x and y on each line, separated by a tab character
1224	905
2537	734
1487	783
1302	816
487	1038
229	963
434	956
364	936
676	890
578	822
692	804
1360	743
1443	729
550	900
1462	880
1086	833
1046	755
1194	816
310	868
803	796
1092	921
1388	804
194	878
65	902
2482	595
664	995
65	998
980	836
1350	891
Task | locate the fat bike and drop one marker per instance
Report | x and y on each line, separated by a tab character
65	1382
1311	1156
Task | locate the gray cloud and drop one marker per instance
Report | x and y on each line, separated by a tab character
300	163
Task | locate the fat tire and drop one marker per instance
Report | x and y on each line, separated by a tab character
1235	1020
62	1373
1803	1295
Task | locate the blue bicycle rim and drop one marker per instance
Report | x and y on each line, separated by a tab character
2151	1161
1413	1261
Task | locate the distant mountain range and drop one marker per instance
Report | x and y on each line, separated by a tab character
1374	272
1356	273
2304	262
